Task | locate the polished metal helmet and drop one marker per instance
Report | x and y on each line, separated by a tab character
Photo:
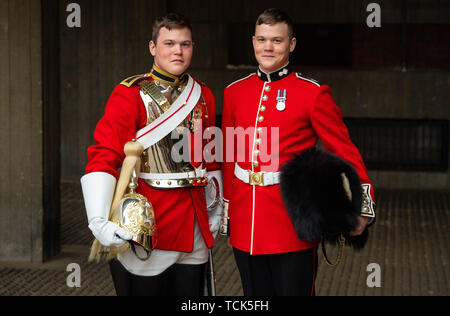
137	217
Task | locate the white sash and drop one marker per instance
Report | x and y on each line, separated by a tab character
166	123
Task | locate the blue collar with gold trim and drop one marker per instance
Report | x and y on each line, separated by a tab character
161	75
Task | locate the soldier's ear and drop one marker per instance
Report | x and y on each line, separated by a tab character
152	48
292	44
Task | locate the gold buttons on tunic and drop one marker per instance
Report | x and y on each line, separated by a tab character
259	130
260	119
262	108
265	98
256	152
267	88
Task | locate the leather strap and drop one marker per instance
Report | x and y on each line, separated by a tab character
133	248
340	251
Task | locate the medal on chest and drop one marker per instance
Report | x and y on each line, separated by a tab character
281	100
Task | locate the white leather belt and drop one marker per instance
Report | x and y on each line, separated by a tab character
199	173
256	178
176	180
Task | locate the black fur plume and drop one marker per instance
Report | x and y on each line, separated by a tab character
312	187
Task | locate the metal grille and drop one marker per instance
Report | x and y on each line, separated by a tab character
401	144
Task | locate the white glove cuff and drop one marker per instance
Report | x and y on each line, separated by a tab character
225	222
98	192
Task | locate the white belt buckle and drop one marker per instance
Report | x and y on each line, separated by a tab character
256	178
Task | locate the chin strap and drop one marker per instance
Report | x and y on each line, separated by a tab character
340	251
133	248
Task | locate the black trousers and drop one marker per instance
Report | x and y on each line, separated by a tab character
178	280
285	274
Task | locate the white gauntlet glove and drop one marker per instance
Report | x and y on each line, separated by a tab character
213	195
109	234
224	225
98	191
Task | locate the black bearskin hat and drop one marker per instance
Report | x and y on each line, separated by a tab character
322	194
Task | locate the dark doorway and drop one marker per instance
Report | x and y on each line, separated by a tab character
51	129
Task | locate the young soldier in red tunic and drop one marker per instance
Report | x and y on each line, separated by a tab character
150	108
282	113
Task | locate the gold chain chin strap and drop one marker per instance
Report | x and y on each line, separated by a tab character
340	251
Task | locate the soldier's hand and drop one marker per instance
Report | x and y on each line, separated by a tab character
109	234
363	221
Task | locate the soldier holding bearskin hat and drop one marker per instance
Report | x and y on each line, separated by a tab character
264	233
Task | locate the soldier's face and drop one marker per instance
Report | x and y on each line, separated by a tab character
272	46
173	50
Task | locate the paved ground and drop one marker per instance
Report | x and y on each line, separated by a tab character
409	244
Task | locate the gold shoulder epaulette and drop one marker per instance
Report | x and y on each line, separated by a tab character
153	91
133	79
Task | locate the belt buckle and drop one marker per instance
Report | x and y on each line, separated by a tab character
256	178
197	180
191	180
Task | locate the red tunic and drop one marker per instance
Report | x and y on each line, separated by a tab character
175	209
259	222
